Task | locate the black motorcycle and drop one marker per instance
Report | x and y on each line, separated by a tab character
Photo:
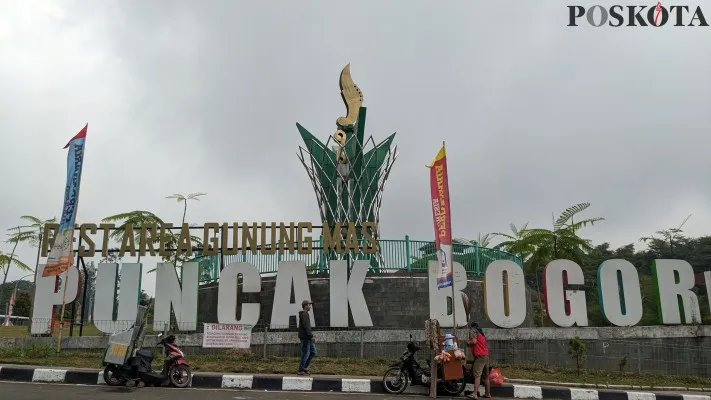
175	371
407	370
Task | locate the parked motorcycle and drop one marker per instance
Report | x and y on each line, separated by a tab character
176	371
407	370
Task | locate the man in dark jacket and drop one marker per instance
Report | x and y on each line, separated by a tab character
308	345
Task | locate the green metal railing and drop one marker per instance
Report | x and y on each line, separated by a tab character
397	255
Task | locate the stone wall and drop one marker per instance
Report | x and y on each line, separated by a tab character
399	302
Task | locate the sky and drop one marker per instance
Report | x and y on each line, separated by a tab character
188	96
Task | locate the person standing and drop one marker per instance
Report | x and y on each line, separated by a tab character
480	368
308	344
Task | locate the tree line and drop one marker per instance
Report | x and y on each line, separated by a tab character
564	240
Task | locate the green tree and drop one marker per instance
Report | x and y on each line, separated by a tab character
23	304
7	289
578	351
512	241
136	219
562	241
7	260
481	240
668	236
31	232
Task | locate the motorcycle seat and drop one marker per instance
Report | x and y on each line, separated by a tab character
146	355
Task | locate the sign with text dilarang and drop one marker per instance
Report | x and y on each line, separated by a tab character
227	336
504	294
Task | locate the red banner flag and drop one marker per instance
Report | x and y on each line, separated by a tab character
441	214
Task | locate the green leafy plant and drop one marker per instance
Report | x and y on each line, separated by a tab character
579	351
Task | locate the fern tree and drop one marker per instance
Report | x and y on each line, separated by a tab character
562	241
512	240
184	199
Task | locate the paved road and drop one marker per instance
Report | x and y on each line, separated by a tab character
34	391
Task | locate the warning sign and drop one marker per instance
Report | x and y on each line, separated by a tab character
235	336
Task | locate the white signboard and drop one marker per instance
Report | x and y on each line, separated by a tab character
234	336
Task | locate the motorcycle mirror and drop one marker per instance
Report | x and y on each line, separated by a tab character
160	335
411	336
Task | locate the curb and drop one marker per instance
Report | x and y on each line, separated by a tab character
325	384
605	386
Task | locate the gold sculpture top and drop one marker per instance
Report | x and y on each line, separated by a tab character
353	99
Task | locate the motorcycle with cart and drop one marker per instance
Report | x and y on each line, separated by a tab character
408	371
125	360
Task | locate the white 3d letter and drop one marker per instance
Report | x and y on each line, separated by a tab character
48	295
105	296
182	299
496	297
290	274
558	298
439	297
345	292
669	291
619	293
227	294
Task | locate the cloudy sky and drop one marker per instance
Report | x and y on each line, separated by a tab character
187	96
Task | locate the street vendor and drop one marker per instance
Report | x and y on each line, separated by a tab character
480	351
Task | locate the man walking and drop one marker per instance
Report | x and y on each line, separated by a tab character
308	345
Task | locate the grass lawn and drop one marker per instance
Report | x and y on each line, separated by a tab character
236	361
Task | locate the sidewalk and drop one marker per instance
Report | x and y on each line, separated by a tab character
518	389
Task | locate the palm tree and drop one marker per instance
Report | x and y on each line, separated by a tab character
135	219
179	197
481	241
9	259
33	236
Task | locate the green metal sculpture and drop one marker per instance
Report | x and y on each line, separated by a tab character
348	176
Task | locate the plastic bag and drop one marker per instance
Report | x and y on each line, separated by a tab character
496	377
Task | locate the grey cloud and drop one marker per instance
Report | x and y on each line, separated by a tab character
205	97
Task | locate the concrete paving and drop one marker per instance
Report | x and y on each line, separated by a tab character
36	391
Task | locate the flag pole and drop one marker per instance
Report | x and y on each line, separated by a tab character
451	267
61	315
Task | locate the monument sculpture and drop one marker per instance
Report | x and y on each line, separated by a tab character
349	171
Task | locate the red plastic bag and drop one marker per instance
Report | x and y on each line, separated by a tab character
496	377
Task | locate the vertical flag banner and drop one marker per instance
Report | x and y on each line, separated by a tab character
439	189
11	305
61	255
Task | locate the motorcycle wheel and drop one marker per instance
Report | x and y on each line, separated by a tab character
400	378
111	376
453	387
180	375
